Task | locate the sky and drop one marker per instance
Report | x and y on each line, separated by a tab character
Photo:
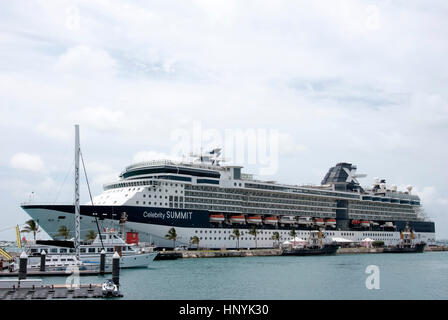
337	81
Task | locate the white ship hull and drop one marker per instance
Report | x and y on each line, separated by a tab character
209	237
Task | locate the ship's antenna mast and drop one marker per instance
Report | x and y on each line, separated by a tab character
77	208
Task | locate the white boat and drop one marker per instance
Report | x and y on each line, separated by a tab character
254	220
217	218
288	219
271	220
330	223
131	256
305	220
238	219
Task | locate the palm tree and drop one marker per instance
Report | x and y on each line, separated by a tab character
91	235
172	235
276	237
236	234
195	240
293	233
64	232
254	232
32	226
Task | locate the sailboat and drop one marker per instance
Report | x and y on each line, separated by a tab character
108	241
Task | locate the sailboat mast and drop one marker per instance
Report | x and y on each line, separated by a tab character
77	208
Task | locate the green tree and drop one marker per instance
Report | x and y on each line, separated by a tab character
172	235
293	233
91	235
254	232
236	235
276	237
195	240
64	232
31	226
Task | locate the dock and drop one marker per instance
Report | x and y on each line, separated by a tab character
21	288
49	292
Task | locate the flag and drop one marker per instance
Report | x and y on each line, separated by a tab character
19	243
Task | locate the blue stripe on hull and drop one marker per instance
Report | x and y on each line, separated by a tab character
184	217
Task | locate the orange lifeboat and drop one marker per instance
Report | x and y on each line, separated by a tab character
270	220
254	219
319	221
238	219
217	218
331	222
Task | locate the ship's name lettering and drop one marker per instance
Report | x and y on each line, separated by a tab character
168	215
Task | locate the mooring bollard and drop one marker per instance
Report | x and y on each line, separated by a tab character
23	261
102	261
43	255
116	268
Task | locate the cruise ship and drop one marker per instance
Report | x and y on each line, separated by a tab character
207	199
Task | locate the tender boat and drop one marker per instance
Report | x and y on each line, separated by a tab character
254	220
330	223
271	220
238	219
305	220
319	222
365	223
219	218
288	219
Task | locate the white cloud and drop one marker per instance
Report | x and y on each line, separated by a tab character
142	156
29	162
132	73
85	61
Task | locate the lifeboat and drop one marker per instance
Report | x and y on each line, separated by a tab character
356	222
238	219
305	220
319	221
217	218
270	220
365	223
331	222
288	219
254	219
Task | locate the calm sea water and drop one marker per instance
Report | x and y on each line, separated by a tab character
402	276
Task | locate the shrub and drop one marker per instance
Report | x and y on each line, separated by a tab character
378	244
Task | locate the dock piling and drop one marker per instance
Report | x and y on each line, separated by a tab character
23	262
43	255
116	268
102	262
